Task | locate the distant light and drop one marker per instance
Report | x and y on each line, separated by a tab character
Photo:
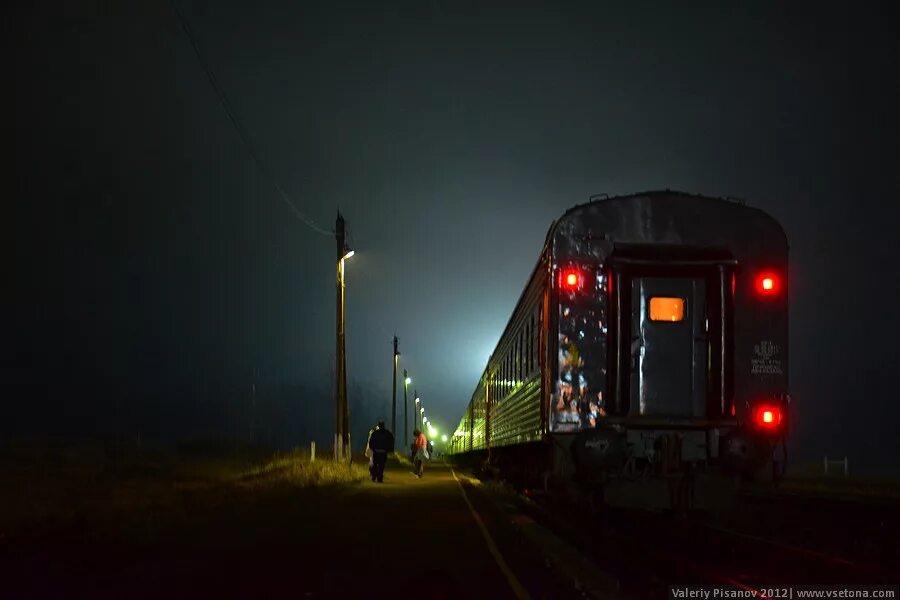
444	438
417	400
349	254
408	380
422	410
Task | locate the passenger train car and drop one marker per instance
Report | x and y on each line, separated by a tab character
647	352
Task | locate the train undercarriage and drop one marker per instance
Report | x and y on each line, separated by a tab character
673	470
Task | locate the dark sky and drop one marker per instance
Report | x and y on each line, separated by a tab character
154	267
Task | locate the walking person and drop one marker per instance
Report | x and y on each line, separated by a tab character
370	453
381	442
421	453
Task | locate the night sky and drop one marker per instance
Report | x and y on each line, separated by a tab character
154	272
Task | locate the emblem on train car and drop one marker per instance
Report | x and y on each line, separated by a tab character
766	359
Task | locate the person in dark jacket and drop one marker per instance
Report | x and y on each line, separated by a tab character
381	442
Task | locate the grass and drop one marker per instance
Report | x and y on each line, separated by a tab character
809	479
295	469
403	459
870	487
48	485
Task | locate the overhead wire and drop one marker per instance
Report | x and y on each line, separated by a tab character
235	121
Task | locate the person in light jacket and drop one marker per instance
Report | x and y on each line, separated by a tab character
420	444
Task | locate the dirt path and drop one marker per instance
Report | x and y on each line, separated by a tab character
405	536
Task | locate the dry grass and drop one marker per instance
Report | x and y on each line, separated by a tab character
870	487
295	469
51	486
403	459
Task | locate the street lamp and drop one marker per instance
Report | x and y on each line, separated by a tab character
394	381
342	408
406	382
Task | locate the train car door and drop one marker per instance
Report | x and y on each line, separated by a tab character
669	346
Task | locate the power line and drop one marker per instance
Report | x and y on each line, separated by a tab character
232	116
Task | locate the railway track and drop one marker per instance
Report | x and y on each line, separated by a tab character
646	551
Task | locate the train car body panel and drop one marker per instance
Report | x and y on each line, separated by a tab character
652	336
721	244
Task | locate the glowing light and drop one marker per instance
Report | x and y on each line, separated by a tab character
767	416
444	438
408	381
349	254
667	309
570	279
768	284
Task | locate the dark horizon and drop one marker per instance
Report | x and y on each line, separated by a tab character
156	274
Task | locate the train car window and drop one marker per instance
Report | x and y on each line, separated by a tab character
667	309
529	344
521	368
506	374
520	357
515	360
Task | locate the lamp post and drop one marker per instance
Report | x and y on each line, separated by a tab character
394	401
406	382
342	408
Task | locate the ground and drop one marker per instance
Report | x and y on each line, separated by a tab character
272	539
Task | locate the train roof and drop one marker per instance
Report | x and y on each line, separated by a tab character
667	217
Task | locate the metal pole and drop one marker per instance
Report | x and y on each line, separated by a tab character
345	402
405	412
394	402
339	342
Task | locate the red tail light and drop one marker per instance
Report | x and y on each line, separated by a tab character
570	279
768	284
767	416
